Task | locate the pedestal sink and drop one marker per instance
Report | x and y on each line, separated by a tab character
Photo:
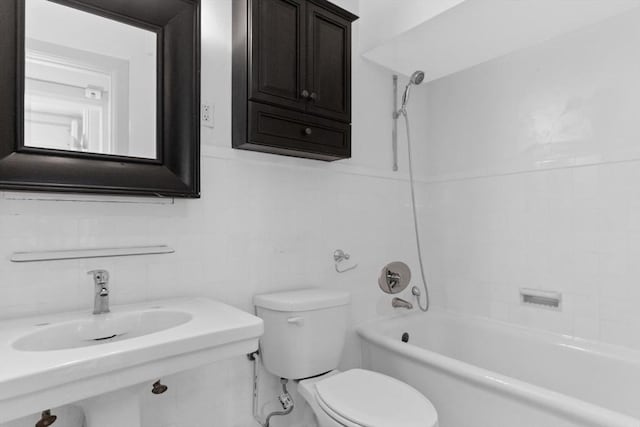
103	362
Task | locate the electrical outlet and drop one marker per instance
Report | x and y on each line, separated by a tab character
206	115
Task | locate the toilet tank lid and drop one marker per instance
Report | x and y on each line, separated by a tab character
302	300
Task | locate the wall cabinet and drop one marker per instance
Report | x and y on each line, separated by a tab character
292	78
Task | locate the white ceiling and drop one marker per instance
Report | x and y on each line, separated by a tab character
475	31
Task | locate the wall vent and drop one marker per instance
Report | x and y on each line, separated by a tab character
540	298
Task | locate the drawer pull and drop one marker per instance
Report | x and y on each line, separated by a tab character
308	131
305	94
313	96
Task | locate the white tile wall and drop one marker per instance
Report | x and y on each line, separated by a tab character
264	223
532	179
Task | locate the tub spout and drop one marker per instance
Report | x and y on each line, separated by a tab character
400	303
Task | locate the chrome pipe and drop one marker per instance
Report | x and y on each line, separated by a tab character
394	131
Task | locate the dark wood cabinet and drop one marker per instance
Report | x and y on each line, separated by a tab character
292	78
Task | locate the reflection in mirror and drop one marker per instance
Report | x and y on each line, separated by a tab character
90	83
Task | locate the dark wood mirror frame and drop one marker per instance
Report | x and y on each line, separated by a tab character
175	172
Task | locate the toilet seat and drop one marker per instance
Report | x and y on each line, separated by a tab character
361	398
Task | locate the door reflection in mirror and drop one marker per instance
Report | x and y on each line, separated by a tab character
90	83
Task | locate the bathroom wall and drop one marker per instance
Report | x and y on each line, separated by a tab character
264	223
531	178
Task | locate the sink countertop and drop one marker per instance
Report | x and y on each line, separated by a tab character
214	324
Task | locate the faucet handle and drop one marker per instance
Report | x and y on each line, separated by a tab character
100	277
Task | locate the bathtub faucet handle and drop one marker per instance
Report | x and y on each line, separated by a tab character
393	279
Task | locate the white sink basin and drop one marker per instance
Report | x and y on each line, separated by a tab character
101	329
50	361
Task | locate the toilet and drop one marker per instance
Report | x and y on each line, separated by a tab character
303	340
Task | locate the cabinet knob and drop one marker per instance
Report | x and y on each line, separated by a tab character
308	131
305	94
313	96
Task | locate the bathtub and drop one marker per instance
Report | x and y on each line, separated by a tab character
484	373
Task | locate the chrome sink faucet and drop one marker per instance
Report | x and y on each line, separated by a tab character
101	297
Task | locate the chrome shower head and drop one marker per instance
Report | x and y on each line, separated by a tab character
416	78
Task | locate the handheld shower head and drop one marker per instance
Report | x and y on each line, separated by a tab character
416	78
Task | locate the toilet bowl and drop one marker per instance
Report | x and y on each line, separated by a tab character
304	333
361	398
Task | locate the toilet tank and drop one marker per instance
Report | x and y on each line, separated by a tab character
304	331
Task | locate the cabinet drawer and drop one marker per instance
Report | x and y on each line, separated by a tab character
298	132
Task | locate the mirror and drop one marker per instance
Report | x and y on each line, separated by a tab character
100	96
394	277
90	83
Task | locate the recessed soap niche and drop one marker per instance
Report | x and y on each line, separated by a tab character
542	299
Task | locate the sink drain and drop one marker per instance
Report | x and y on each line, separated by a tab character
105	338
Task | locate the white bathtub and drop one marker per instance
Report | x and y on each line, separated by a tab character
483	373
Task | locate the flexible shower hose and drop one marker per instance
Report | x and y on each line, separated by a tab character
415	291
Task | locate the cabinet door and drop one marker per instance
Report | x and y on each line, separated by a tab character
328	64
277	67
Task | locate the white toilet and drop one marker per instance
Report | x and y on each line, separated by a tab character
303	340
